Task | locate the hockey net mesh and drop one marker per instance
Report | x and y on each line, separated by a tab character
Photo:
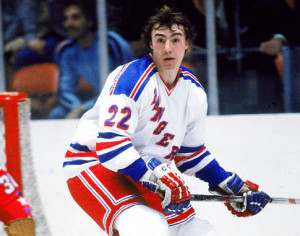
2	142
29	184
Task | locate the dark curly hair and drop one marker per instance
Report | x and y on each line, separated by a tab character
167	17
88	8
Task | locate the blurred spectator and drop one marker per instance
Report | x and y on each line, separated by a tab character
29	31
262	23
264	26
15	211
78	59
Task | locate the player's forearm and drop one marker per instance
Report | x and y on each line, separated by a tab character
199	162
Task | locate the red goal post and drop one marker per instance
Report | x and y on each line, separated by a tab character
15	152
12	105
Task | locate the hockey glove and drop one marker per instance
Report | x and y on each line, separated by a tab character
254	200
168	185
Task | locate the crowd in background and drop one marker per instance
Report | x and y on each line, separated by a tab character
64	32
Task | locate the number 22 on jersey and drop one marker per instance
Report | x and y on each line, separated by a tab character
122	123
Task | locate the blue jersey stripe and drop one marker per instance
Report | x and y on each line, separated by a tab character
189	149
79	147
77	162
110	155
108	135
135	170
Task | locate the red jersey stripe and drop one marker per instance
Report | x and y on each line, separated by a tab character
105	145
136	88
180	158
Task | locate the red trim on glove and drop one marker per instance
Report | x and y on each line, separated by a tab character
253	186
238	214
179	191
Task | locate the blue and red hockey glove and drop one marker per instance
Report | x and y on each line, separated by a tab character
254	200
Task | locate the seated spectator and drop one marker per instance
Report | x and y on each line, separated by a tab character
29	35
78	59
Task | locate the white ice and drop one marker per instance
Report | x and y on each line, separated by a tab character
262	148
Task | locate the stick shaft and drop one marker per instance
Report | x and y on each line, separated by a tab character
279	200
216	198
227	198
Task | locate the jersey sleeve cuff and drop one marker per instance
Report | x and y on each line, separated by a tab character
213	174
135	170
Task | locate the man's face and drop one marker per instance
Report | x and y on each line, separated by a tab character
75	22
168	46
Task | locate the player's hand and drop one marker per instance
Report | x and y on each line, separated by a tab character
271	47
37	45
254	200
177	194
171	188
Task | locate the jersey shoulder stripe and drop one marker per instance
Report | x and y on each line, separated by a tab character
189	75
133	78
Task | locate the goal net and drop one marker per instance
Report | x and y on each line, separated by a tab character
15	152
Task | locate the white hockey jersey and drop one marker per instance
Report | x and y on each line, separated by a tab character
137	117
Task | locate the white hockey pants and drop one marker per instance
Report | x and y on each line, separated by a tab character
142	220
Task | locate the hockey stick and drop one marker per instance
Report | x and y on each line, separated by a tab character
228	198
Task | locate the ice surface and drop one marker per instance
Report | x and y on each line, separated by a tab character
262	148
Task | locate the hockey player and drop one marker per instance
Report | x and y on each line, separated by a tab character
15	212
151	113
